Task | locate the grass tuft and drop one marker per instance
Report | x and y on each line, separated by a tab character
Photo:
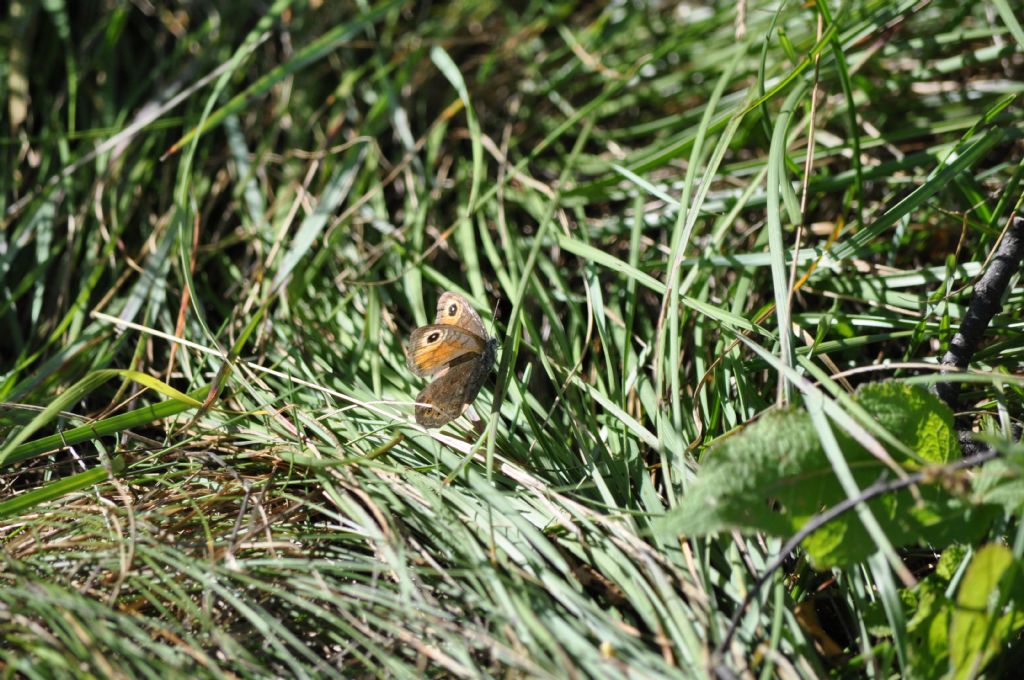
218	225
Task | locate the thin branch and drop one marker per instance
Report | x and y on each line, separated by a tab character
985	304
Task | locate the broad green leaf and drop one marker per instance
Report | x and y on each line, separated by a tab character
982	622
928	627
939	520
917	417
774	476
747	471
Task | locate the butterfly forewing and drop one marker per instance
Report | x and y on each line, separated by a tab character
455	310
431	348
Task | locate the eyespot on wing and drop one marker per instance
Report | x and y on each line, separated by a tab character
455	310
431	348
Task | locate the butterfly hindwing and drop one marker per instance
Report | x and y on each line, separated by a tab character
444	399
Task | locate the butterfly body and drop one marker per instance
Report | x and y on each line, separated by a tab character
457	352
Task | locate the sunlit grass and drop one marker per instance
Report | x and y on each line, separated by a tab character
619	190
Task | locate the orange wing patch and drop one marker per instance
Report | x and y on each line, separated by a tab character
431	348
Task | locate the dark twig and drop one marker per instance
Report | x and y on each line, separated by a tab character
985	303
877	489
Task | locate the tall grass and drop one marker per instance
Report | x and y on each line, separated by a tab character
245	210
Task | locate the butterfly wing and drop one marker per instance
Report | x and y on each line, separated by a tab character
457	349
455	310
444	400
431	348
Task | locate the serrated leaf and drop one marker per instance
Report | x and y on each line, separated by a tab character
915	416
774	476
747	471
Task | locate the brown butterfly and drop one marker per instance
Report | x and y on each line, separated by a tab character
458	352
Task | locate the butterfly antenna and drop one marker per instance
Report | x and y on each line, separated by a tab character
494	317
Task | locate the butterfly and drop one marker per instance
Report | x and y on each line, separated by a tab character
457	351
